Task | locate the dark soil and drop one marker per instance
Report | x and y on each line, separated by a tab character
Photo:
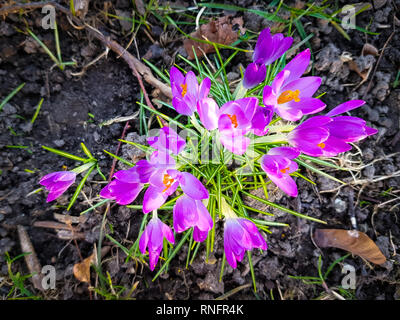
108	90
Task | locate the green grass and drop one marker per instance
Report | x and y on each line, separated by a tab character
11	95
322	278
18	290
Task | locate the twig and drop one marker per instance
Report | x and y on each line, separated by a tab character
377	64
31	259
139	69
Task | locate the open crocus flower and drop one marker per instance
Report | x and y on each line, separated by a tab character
267	50
278	164
186	91
164	182
291	95
240	235
234	120
330	135
57	183
127	184
167	141
152	238
190	213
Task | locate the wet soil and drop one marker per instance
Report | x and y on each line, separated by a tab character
75	107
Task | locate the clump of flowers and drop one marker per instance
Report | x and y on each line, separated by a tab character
229	144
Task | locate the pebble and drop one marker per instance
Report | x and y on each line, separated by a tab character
340	205
232	76
369	172
59	143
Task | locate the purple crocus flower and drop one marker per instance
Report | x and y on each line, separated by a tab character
289	94
278	164
240	235
330	135
267	50
167	141
152	238
57	183
164	182
186	91
128	183
190	213
234	120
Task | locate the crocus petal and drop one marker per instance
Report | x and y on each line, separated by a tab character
235	143
317	121
345	107
293	111
123	193
257	239
261	119
181	106
168	140
192	84
308	105
308	139
370	131
263	41
161	159
230	257
153	199
279	81
333	146
269	98
208	111
288	152
57	183
306	85
254	74
204	88
192	186
348	129
168	234
290	114
144	239
176	78
297	66
286	184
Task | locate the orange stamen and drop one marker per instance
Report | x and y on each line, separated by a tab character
184	89
284	170
233	120
289	95
167	181
321	145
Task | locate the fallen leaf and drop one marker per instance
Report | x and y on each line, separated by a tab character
221	31
369	49
354	241
82	269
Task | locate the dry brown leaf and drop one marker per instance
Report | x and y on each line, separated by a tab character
354	241
363	74
369	49
82	269
220	31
